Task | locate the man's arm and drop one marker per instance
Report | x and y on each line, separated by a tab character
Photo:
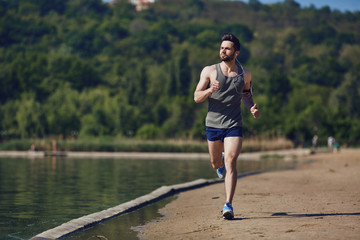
202	92
247	95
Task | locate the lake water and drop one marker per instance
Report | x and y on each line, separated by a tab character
39	194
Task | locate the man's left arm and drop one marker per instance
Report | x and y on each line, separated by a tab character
247	95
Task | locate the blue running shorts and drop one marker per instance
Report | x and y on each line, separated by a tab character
214	134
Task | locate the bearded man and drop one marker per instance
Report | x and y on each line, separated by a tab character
225	84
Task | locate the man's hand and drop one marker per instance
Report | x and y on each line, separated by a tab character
254	111
214	86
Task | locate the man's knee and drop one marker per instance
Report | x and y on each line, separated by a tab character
216	163
231	157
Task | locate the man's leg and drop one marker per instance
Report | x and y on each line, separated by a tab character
232	148
215	151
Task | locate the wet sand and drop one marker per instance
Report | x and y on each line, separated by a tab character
318	200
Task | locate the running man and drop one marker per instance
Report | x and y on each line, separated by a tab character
224	85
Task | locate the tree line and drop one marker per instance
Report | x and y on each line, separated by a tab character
85	68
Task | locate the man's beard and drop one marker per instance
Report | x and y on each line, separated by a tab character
226	58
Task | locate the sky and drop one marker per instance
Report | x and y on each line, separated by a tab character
342	5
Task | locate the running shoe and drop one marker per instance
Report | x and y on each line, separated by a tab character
228	212
221	171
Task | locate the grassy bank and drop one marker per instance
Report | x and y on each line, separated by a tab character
135	145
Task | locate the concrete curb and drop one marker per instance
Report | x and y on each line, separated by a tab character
95	218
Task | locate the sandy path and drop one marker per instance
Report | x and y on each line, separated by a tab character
320	200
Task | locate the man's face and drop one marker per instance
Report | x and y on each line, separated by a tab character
227	51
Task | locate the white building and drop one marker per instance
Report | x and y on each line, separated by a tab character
142	4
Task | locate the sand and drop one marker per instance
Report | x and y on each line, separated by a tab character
318	200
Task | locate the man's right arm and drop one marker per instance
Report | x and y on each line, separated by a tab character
202	92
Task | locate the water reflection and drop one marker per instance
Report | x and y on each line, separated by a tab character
121	227
39	194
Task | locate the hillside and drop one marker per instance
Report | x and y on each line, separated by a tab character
85	68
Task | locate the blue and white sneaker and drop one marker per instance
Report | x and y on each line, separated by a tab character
228	212
221	171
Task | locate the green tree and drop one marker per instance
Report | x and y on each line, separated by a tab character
26	73
346	97
45	7
62	111
184	73
99	109
123	9
9	125
306	114
255	4
30	117
9	85
93	8
172	86
277	90
291	3
148	131
15	30
86	43
319	34
79	73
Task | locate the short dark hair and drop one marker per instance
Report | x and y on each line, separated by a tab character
231	37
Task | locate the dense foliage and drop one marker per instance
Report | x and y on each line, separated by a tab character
86	68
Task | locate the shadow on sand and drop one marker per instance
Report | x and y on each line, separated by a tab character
289	215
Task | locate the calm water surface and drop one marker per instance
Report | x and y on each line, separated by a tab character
39	194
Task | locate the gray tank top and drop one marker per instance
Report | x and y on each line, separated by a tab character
224	110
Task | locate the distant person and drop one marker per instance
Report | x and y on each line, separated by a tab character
32	148
54	146
331	141
314	142
225	84
336	146
32	151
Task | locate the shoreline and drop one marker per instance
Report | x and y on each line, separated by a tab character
289	153
318	200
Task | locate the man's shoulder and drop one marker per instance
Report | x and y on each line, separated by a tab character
247	73
210	68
